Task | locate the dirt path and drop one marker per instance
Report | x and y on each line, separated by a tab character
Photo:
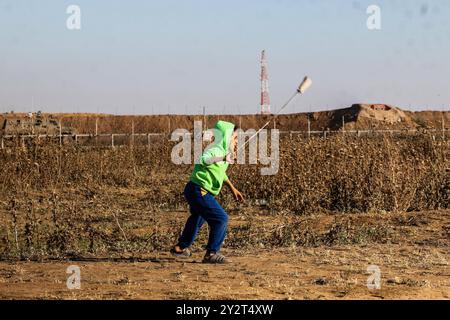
407	272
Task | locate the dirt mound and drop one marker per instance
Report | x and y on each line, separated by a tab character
382	112
368	116
356	117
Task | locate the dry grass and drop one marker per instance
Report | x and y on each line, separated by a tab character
73	201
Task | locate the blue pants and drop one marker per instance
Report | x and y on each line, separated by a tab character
203	208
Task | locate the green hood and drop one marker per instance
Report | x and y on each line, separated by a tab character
222	134
210	176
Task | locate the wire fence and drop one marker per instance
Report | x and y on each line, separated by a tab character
120	139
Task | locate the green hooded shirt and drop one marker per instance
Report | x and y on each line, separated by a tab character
211	176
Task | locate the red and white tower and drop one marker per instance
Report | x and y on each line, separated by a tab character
265	100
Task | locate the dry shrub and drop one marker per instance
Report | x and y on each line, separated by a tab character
345	174
306	233
49	194
338	174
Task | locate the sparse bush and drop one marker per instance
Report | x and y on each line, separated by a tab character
337	175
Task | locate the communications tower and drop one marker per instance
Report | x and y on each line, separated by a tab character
265	99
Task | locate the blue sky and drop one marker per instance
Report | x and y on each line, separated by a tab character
143	57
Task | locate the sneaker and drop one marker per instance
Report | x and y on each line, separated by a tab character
215	258
176	251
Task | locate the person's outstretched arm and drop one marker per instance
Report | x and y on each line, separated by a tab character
237	194
208	159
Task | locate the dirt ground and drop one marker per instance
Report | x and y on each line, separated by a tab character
408	271
274	256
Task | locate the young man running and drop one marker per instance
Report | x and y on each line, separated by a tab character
205	183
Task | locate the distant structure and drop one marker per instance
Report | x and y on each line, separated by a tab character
380	107
265	99
32	123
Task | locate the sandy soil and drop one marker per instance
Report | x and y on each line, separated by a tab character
407	272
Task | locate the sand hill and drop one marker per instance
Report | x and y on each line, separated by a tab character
357	117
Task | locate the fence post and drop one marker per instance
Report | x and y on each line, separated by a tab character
204	119
443	127
96	131
309	127
169	124
148	141
60	132
132	133
112	140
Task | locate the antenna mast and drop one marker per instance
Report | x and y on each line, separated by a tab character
265	99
